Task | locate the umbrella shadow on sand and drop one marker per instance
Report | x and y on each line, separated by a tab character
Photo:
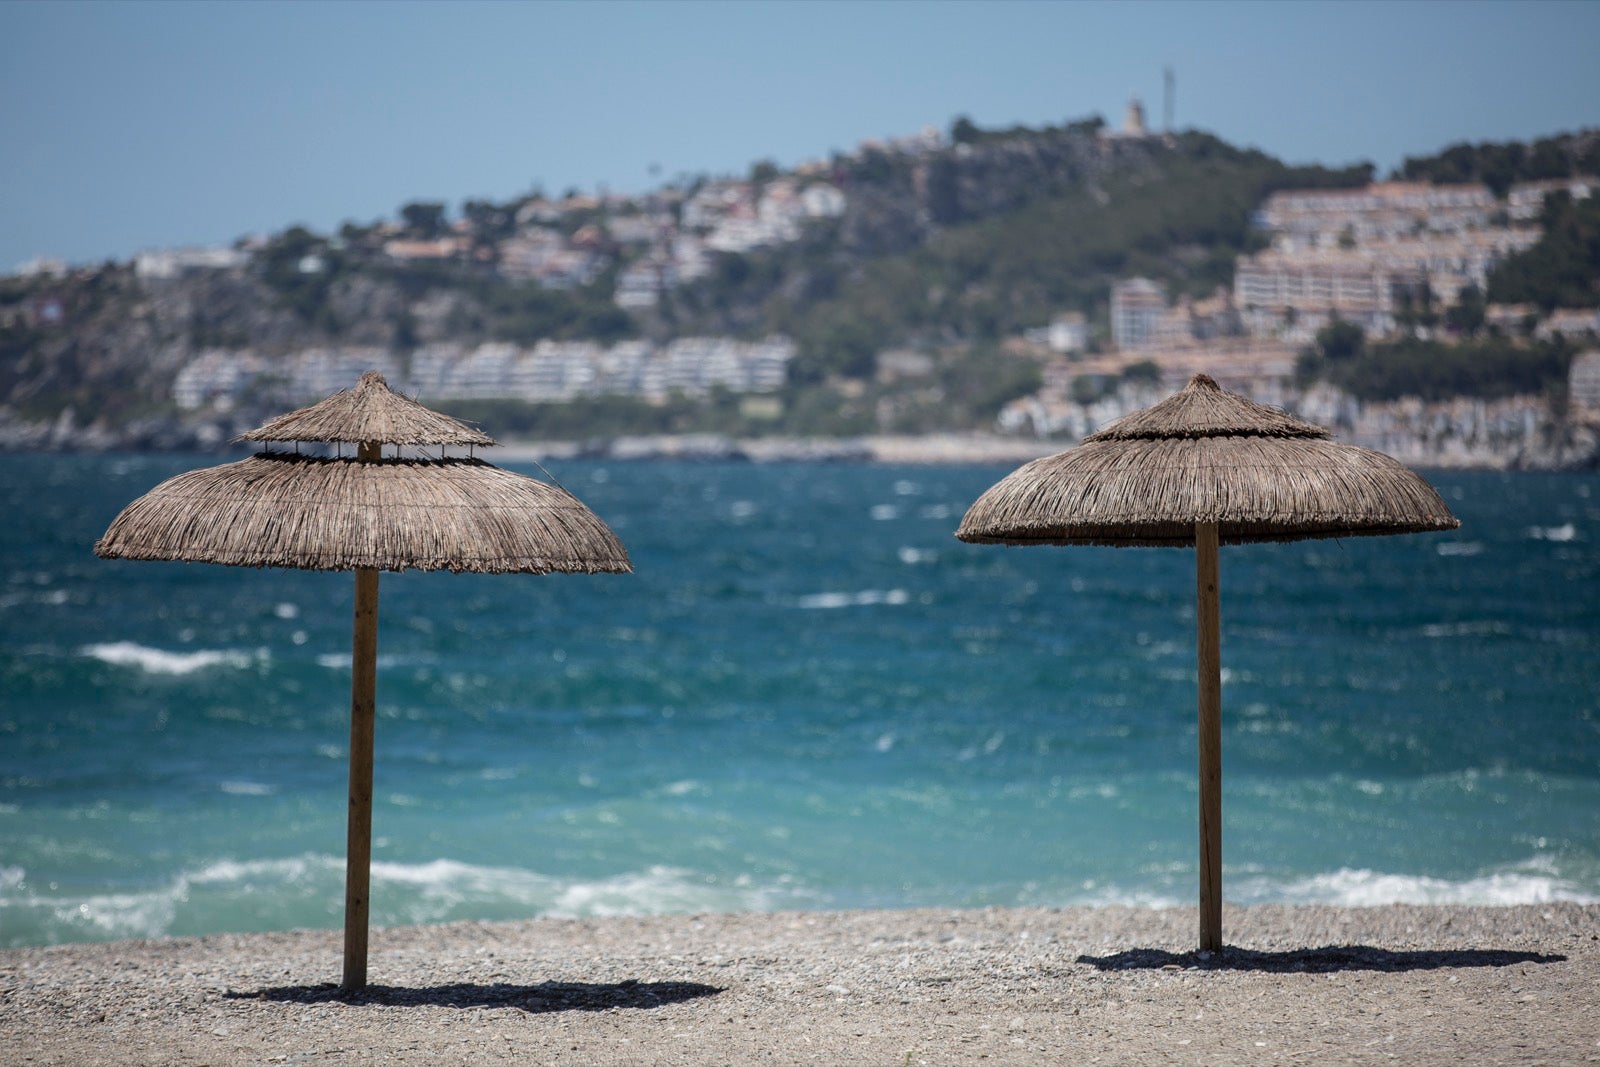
1323	960
534	999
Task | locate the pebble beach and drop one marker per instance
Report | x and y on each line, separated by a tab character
1297	984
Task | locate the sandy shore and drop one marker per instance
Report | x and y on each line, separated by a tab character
1015	986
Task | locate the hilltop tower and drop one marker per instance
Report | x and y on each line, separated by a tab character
1133	120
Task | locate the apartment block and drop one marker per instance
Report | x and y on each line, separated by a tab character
1137	307
1583	383
549	372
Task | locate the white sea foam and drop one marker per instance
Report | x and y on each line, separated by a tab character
1535	881
441	886
1458	548
1561	534
1093	895
247	789
287	869
861	598
305	890
159	661
1482	628
340	661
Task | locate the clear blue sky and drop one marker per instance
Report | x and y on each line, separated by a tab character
132	125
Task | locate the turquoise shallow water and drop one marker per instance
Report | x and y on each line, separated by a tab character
808	696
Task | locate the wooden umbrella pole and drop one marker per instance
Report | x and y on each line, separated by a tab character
363	703
1208	620
358	843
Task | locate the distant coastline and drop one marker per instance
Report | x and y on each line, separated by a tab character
1434	442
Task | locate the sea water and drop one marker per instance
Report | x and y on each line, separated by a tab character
809	695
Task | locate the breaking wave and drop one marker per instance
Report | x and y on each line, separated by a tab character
308	891
1534	881
160	661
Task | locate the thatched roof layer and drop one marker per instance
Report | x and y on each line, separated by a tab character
369	412
277	510
1205	455
1153	492
1205	409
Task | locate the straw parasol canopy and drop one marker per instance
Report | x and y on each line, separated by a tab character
1205	467
279	509
365	512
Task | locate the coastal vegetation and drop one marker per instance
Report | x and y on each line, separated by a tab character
1488	367
1563	269
1499	165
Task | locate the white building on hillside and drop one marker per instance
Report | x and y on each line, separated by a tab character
1137	306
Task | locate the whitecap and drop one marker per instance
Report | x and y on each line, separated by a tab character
825	601
1458	548
1563	533
158	661
885	512
247	789
340	661
1482	628
862	598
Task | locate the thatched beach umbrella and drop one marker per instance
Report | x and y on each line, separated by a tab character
1203	467
365	513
